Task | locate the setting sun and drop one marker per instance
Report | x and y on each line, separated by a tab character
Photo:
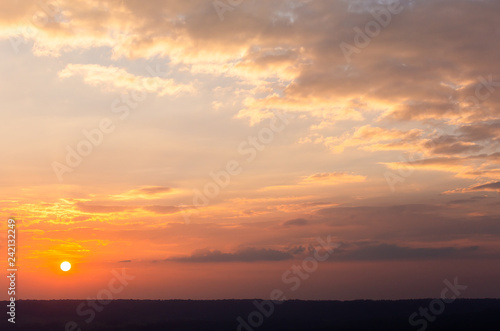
65	266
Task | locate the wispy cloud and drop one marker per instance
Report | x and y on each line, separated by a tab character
114	79
242	255
145	193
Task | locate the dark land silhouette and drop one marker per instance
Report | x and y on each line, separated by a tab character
221	315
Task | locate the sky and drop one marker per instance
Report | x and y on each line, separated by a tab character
216	149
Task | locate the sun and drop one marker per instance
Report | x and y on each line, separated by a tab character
65	266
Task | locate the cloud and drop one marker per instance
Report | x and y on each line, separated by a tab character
145	193
104	209
163	209
327	110
472	166
242	255
480	131
154	190
440	222
372	138
295	222
319	180
297	250
274	43
114	79
356	251
99	209
395	252
450	145
448	164
494	186
367	6
422	110
329	178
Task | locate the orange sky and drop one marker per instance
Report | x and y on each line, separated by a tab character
203	150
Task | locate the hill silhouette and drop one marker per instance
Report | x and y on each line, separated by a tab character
221	315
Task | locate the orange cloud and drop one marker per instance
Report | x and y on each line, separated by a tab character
373	139
146	193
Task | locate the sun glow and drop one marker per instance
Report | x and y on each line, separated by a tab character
65	266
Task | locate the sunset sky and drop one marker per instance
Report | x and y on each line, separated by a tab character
203	147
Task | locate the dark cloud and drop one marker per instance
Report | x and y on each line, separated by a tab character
440	161
393	209
395	252
416	222
242	255
487	187
448	144
296	222
297	250
480	131
422	109
125	261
